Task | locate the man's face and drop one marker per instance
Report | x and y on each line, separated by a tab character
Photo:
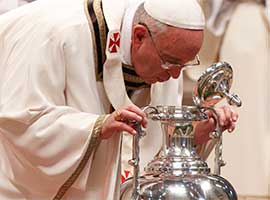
174	45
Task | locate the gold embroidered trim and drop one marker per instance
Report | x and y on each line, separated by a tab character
97	8
92	32
132	78
93	143
128	66
102	32
101	25
136	88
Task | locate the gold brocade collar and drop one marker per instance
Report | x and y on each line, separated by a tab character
99	31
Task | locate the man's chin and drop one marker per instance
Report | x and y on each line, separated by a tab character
150	81
162	80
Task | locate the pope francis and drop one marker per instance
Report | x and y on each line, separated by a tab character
72	73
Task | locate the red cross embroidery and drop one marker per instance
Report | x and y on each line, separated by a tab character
125	176
114	43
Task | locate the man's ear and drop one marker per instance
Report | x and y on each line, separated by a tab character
140	33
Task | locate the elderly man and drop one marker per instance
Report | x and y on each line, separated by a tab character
59	134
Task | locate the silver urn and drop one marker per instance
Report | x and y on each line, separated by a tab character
178	172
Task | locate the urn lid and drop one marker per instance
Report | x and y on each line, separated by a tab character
214	85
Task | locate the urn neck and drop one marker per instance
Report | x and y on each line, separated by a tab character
178	155
178	139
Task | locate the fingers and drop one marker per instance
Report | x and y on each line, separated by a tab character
112	126
227	121
231	128
223	118
121	126
141	116
234	115
136	110
227	118
130	116
230	113
118	121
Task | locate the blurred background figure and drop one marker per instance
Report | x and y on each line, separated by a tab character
238	33
6	5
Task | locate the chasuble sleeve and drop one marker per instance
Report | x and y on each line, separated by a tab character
47	136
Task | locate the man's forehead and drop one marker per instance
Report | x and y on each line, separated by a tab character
180	48
174	35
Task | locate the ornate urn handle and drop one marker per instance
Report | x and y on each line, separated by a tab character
135	161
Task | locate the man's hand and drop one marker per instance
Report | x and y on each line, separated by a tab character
117	121
227	120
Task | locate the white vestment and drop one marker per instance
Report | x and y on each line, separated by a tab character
6	5
50	101
245	44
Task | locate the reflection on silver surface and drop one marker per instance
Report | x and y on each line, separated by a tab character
214	85
177	172
199	187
